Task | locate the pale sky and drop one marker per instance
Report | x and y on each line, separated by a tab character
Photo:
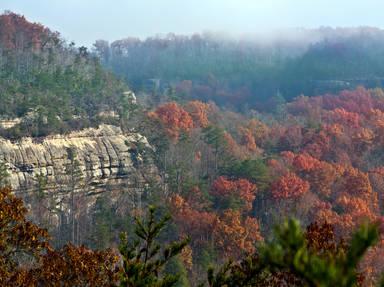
84	21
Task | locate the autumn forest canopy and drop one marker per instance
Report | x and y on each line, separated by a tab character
264	164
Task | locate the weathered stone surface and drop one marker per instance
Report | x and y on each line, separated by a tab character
105	155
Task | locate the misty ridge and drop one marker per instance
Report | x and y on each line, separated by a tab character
258	68
300	36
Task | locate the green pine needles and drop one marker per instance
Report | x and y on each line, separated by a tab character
289	256
144	259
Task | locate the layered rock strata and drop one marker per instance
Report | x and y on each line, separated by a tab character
101	157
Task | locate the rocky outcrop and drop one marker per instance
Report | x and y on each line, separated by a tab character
102	156
9	123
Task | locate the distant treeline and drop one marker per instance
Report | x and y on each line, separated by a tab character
257	72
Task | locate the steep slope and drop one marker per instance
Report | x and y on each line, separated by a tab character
50	85
65	135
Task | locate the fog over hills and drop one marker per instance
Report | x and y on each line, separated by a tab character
257	68
87	20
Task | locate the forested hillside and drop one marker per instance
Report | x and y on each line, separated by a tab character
257	71
234	177
48	85
251	181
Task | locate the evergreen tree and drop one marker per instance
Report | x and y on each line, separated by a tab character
144	260
175	266
290	253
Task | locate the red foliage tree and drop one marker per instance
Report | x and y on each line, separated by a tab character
289	186
193	222
317	144
224	188
305	162
17	33
356	183
76	266
292	137
344	118
357	101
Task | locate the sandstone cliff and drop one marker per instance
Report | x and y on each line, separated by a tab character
104	156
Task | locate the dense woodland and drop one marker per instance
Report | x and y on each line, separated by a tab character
52	85
231	181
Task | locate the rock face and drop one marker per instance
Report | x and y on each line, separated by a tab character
9	123
103	157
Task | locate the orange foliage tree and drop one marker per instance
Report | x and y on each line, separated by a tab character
343	117
229	231
18	238
173	118
247	139
199	113
259	130
27	258
236	235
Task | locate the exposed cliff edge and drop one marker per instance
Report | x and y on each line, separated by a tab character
104	156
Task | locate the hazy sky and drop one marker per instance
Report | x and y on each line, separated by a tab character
86	20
